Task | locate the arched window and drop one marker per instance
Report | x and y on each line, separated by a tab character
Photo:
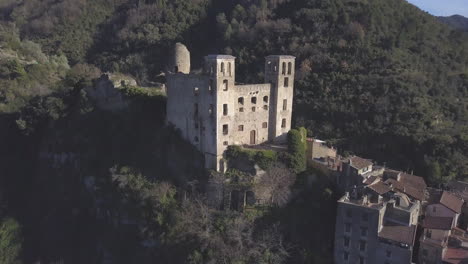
265	99
225	85
222	67
229	69
196	139
283	71
289	67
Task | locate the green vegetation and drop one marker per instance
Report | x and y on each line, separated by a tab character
263	158
380	78
297	149
10	241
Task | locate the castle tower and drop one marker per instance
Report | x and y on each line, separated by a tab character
221	72
180	61
279	72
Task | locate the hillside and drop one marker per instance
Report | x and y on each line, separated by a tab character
381	79
456	21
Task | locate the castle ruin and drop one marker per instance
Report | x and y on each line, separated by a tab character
213	112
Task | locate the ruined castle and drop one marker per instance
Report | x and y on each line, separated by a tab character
213	112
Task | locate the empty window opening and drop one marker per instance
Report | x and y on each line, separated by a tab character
225	143
286	82
240	100
275	68
346	241
229	69
222	67
362	245
253	108
225	109
196	139
289	67
225	129
363	231
253	100
241	128
211	70
285	104
210	110
225	85
195	109
176	69
347	227
269	65
196	91
265	107
264	124
265	99
210	87
283	123
241	109
283	71
362	260
365	217
346	256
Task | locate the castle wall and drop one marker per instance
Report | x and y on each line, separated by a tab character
207	110
197	127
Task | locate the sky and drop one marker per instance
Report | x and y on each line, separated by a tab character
443	7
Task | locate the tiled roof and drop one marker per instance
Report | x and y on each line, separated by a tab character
451	201
456	256
402	234
379	187
415	193
412	180
359	163
434	222
370	180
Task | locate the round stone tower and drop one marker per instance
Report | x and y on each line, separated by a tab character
181	60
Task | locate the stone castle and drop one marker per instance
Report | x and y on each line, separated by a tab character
213	112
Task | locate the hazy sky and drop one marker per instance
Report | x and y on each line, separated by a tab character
443	7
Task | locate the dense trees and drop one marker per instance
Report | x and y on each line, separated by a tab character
379	78
10	241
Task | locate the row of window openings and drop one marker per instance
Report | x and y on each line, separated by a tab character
362	259
348	229
283	69
364	216
222	69
241	127
241	109
196	90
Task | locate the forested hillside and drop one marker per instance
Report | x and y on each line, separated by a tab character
379	78
456	21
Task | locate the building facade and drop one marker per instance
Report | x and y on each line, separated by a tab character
213	112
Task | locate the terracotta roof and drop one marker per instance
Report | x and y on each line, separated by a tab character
359	163
434	222
412	180
370	180
402	234
415	193
395	184
451	201
379	187
456	256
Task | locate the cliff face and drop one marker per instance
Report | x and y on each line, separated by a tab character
456	21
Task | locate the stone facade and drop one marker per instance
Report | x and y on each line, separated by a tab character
213	112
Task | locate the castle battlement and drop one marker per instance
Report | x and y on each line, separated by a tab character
213	112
